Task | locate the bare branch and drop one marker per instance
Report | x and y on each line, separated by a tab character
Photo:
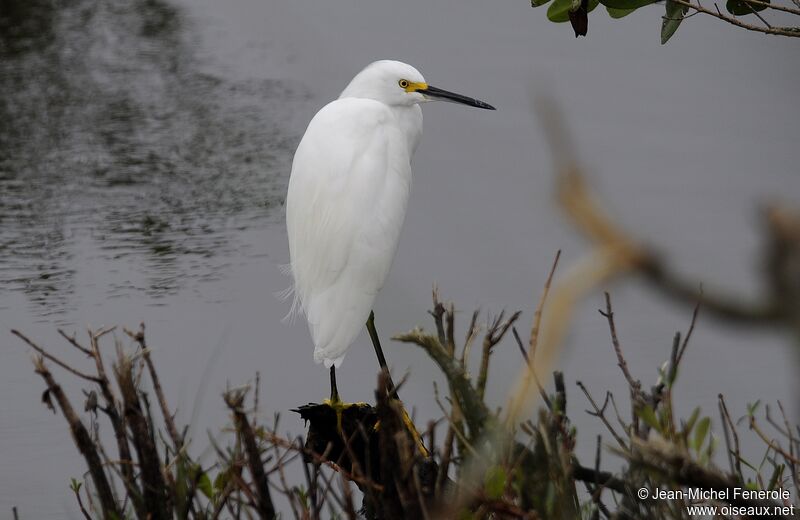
792	32
54	359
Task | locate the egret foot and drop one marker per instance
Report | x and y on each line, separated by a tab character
335	402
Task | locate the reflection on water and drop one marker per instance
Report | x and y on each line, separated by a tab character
113	140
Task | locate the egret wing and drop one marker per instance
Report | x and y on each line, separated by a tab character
340	173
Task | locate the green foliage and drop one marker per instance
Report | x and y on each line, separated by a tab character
495	482
742	7
500	469
700	433
676	11
204	485
626	4
647	414
618	13
672	19
559	10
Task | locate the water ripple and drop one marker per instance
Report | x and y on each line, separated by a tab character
116	139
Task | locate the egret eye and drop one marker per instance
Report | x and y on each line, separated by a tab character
403	83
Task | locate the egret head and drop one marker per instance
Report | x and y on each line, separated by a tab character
399	84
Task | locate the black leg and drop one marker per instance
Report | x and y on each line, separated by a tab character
334	390
376	343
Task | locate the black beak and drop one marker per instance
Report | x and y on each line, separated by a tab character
452	97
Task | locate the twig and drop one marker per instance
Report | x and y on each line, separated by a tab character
538	383
635	385
263	500
727	423
154	489
792	445
438	313
472	332
494	334
689	332
444	463
113	411
792	32
776	7
537	315
162	400
459	432
74	342
771	442
77	491
54	359
600	414
600	478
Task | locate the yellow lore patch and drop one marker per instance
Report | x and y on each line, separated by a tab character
414	87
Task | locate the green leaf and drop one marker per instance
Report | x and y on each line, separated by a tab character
221	480
700	433
495	482
537	3
672	19
301	495
753	407
692	419
626	4
75	485
740	7
559	10
204	485
743	461
777	477
708	454
647	414
466	514
618	13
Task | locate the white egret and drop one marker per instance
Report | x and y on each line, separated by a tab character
347	200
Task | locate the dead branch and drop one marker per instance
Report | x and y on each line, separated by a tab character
83	441
54	359
169	420
154	487
263	500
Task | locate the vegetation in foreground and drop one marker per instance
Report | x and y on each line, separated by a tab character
486	465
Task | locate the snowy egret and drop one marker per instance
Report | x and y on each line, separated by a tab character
347	200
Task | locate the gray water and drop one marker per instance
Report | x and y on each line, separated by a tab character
144	155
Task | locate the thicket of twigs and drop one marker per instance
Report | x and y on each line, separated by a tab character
476	462
486	464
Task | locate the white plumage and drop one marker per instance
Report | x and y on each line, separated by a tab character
347	199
